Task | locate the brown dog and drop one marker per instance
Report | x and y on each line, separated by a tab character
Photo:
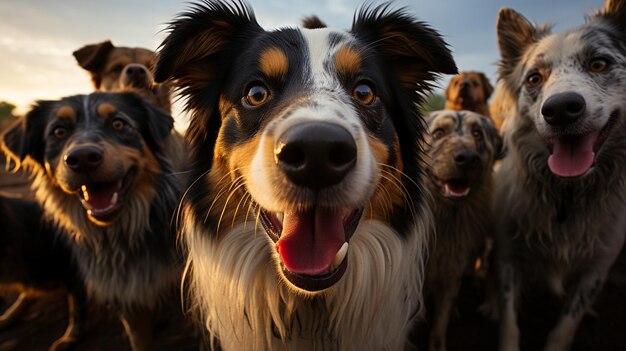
462	147
469	90
115	69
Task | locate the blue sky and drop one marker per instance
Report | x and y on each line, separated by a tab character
37	37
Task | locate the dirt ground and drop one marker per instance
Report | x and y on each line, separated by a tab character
46	319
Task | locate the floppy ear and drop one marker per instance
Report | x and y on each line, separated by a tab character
92	58
487	87
514	33
416	52
24	138
157	124
614	11
196	55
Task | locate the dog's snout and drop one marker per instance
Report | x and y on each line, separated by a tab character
135	70
466	159
84	159
316	155
563	109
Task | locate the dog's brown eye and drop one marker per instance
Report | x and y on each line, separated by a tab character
598	65
118	124
257	94
477	134
59	132
534	79
364	93
438	133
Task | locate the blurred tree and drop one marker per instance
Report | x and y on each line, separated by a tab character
432	102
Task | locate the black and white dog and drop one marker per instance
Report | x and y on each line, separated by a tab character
306	221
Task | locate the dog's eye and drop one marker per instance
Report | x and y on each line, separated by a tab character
364	93
598	65
117	68
438	133
477	134
118	124
59	132
257	94
534	79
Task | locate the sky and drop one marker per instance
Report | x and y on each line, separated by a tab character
37	37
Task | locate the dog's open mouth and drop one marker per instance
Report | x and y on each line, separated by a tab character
455	188
104	200
574	156
312	244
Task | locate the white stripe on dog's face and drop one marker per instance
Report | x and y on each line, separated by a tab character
326	101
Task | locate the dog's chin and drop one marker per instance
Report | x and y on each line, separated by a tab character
312	244
103	201
573	156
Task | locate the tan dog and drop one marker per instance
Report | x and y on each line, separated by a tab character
127	69
462	147
469	90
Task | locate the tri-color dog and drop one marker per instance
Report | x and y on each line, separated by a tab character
103	175
561	191
306	221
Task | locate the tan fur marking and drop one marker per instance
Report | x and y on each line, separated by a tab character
347	61
274	63
390	189
106	109
66	112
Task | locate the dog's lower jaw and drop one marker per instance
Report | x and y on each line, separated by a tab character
247	305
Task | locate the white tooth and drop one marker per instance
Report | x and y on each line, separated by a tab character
466	192
86	205
281	217
85	193
114	198
446	189
341	255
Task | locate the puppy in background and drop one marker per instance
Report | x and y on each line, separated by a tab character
462	147
128	69
469	90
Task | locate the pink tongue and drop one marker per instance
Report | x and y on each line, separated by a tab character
100	196
572	157
310	241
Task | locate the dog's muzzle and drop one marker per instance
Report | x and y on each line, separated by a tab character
312	242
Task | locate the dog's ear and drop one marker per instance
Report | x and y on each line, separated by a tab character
615	12
494	136
92	58
201	39
158	123
313	22
487	87
416	52
196	56
514	33
23	140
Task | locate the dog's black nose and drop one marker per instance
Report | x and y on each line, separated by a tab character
316	155
135	70
466	159
563	109
84	159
